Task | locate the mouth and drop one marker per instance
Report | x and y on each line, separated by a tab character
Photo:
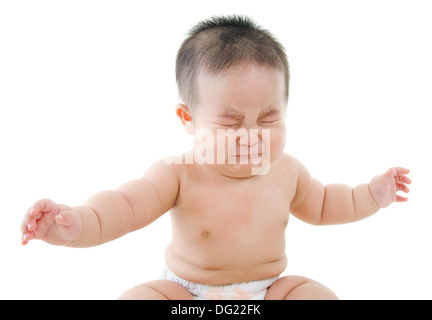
247	155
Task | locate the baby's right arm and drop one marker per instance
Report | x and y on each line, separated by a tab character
106	215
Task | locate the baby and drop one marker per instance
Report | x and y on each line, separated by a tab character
231	196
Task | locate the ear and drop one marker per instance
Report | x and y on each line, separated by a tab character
184	114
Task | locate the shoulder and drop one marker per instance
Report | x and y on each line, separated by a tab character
290	166
162	170
174	167
289	169
288	163
162	165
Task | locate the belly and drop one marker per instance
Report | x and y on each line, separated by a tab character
220	254
223	273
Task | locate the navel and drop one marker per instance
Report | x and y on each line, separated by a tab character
205	234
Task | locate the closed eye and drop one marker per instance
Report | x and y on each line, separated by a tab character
228	125
268	121
233	125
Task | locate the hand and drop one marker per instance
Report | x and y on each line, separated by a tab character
384	187
54	223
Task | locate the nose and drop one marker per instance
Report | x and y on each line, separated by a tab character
248	137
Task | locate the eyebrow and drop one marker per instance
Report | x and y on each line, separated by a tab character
231	113
269	111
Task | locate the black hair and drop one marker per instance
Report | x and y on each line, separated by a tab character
221	42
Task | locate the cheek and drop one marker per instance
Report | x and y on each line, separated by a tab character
277	141
221	146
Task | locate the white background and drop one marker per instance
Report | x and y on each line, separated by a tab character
87	98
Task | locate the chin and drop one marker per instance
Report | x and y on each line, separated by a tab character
242	170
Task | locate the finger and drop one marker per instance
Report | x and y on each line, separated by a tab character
33	213
24	227
28	224
42	206
402	187
26	237
32	225
28	217
405	179
402	179
38	209
400	170
66	219
401	199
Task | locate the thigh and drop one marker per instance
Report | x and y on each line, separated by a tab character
299	288
157	290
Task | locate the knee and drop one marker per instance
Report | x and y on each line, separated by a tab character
141	292
299	288
311	290
157	290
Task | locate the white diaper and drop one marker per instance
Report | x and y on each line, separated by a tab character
252	290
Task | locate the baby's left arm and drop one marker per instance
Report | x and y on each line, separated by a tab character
338	203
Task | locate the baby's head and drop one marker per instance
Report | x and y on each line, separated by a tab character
233	78
220	43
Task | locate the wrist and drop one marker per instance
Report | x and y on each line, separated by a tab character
364	203
372	197
81	215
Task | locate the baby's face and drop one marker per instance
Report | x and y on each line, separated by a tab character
244	109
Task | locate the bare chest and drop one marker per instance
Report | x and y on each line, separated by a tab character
233	211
